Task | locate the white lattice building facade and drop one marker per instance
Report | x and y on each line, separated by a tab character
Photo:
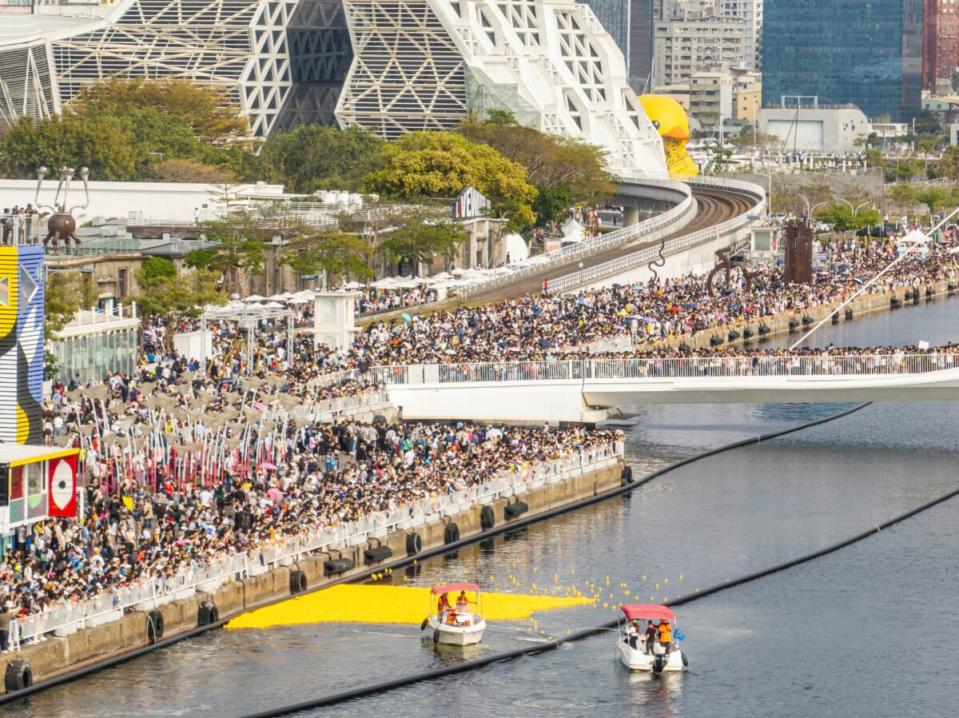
392	66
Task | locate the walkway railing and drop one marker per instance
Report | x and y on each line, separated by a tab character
617	238
691	367
648	254
208	576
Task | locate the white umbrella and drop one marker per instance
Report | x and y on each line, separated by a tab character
385	283
254	298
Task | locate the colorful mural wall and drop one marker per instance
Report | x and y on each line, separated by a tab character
21	344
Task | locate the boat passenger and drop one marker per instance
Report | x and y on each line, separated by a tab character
442	608
462	603
665	635
632	634
651	635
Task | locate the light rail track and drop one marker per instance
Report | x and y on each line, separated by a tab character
714	207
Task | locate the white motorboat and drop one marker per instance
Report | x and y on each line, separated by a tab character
649	647
456	623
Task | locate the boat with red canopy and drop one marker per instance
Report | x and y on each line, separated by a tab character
458	619
648	639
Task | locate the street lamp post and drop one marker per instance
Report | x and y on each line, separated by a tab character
769	192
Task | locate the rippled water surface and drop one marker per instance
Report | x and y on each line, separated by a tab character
867	631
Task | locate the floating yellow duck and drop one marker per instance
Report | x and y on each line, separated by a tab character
669	118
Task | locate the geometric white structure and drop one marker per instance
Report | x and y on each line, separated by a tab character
426	64
392	66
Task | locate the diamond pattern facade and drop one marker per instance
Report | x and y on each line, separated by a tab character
392	66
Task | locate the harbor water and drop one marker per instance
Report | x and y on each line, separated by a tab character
867	631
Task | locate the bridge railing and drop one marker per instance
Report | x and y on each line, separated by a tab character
648	254
673	367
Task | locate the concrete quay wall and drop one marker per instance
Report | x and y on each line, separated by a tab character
58	655
779	324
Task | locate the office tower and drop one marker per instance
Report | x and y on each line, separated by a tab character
845	51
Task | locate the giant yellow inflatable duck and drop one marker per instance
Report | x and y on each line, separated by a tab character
669	118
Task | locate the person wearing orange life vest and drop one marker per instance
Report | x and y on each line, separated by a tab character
665	635
442	608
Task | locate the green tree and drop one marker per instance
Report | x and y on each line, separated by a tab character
157	268
64	295
337	253
132	130
927	123
845	219
419	238
167	297
442	164
313	157
903	195
207	111
105	145
935	198
552	204
948	165
179	169
241	244
552	162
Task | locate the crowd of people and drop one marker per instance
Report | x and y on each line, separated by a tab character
375	301
156	516
176	453
535	327
20	217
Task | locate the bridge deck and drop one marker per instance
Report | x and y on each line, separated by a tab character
576	390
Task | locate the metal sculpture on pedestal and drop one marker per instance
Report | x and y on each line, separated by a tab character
798	250
61	224
727	265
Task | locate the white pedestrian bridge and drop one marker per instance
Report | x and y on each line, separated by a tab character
585	390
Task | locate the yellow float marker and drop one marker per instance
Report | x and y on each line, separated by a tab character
359	603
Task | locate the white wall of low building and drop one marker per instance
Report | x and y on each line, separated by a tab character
824	129
138	201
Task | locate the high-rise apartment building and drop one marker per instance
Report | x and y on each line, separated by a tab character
940	55
751	13
845	51
685	47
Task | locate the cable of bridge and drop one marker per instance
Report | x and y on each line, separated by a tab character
553	644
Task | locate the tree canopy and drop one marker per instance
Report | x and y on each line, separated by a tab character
419	238
557	166
442	164
241	244
339	254
173	294
313	157
202	108
133	130
64	295
845	219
